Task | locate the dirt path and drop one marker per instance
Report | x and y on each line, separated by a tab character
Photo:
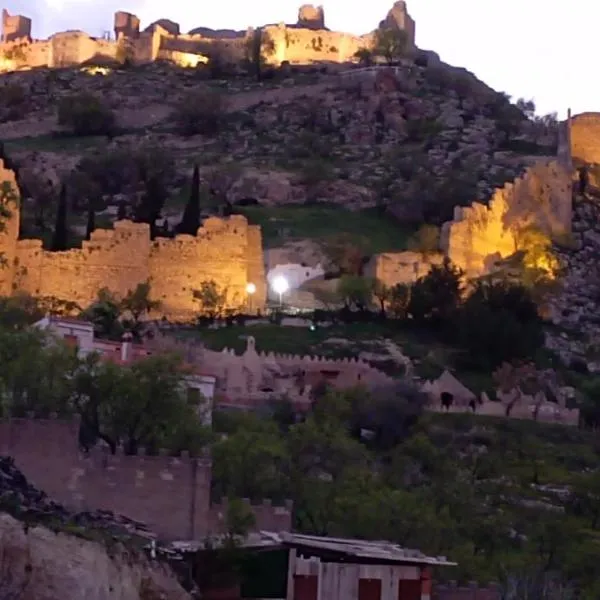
156	113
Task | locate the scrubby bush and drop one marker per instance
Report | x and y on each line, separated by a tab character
13	102
200	112
86	114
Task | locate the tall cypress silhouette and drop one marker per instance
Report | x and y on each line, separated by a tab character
60	238
91	220
190	221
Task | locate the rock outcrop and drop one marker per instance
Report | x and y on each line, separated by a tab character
38	563
49	553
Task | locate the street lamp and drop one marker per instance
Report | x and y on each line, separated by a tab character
250	290
280	286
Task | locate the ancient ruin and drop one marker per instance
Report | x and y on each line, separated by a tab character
307	41
482	234
226	251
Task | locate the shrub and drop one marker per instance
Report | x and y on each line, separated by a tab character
498	322
13	102
86	114
201	111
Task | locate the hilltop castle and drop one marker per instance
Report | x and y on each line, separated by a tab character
226	251
307	41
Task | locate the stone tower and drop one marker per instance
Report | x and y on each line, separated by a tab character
10	196
311	17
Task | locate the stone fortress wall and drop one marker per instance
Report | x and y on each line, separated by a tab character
308	41
585	138
226	251
480	234
171	495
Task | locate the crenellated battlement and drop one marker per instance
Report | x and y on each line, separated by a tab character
307	41
226	251
481	234
170	494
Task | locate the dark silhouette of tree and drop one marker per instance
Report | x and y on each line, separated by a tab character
61	234
190	221
91	220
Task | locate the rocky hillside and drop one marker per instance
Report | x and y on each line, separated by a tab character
49	553
412	141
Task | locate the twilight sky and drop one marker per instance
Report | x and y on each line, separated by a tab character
513	45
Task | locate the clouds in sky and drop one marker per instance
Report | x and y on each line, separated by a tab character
529	48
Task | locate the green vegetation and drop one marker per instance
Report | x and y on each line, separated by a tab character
506	499
322	222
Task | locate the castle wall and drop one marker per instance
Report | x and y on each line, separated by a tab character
169	494
227	251
75	47
117	259
302	46
479	234
393	268
585	138
179	266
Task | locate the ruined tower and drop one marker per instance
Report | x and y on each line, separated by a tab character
15	27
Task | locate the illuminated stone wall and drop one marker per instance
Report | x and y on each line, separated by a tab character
585	137
226	251
481	234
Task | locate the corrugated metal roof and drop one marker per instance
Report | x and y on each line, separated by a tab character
360	549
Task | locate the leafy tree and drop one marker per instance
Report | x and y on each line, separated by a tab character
355	291
259	46
498	322
399	300
190	222
19	311
139	405
85	114
390	43
364	57
382	294
436	297
212	299
35	376
250	462
105	313
138	304
60	240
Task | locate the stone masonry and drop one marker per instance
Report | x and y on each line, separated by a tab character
303	43
170	495
226	251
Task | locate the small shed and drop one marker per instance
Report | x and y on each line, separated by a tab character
290	566
344	569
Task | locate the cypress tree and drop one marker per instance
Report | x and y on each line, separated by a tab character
91	220
60	238
190	222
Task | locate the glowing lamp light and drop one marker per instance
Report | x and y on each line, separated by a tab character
251	289
280	286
